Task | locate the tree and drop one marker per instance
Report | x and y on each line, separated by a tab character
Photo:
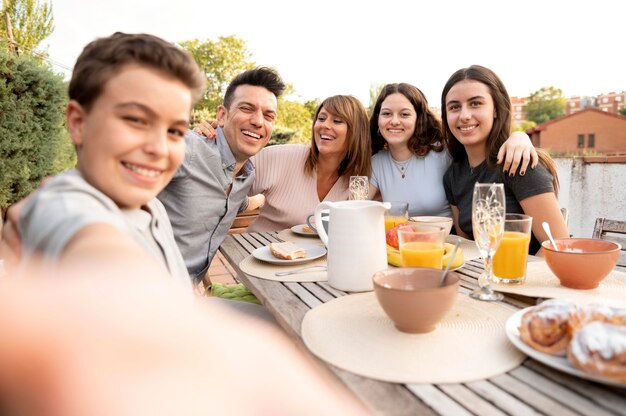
296	118
32	146
221	61
545	104
30	22
375	90
623	111
524	125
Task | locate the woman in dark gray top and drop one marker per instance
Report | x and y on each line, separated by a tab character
476	114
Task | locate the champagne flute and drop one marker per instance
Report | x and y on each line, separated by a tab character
488	215
359	188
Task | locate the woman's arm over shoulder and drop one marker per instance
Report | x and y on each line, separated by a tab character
517	151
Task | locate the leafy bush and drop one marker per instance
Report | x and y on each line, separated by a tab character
32	142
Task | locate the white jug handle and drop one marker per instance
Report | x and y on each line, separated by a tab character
321	231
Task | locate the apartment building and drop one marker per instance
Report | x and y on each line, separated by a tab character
519	115
610	103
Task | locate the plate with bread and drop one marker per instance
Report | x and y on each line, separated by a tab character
288	253
304	230
588	341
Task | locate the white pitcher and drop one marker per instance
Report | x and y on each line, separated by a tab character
355	242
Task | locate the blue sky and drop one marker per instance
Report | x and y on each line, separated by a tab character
329	47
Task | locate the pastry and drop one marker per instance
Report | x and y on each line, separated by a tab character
287	251
307	229
599	348
585	314
546	327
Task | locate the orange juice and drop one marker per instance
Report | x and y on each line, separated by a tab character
391	221
512	255
421	254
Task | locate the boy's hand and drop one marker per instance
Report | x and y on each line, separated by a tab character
10	240
11	243
207	128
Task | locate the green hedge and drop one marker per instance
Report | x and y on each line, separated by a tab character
33	142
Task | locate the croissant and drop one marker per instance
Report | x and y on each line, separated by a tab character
546	327
599	348
585	314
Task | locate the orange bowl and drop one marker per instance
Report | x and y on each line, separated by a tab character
581	263
412	298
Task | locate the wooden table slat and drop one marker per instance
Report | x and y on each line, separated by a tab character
438	400
530	396
558	392
304	295
318	291
610	399
470	400
501	398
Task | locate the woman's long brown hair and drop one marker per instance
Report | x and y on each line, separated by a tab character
358	155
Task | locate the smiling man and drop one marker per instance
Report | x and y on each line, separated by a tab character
212	184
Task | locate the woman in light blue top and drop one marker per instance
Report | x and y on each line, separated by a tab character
409	155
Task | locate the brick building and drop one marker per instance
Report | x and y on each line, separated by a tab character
587	130
518	109
576	104
610	103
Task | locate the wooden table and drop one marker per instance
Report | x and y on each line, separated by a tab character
531	388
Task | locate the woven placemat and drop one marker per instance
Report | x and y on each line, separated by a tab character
266	271
542	283
288	235
353	333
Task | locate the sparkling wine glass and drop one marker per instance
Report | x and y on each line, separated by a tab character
359	188
488	215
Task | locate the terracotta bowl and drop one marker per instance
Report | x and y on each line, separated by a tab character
412	299
444	222
581	263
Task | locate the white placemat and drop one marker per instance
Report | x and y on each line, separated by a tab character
352	332
266	271
542	283
288	235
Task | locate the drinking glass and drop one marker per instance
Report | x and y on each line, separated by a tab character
397	214
421	245
488	214
509	262
359	188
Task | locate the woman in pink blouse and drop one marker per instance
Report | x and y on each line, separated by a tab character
296	177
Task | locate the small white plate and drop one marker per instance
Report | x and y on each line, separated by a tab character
558	363
312	252
299	229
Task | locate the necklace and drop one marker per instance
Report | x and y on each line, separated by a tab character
401	166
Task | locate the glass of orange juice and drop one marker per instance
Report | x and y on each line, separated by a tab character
421	245
397	214
509	262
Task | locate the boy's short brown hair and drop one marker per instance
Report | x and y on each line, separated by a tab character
101	59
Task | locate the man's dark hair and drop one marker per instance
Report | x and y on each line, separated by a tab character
260	76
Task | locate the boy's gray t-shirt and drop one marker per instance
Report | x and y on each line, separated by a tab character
67	203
